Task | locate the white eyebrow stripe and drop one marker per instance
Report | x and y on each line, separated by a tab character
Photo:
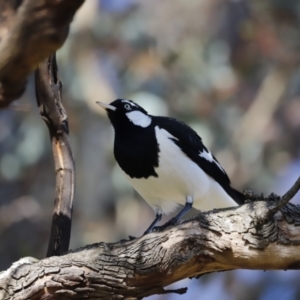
129	102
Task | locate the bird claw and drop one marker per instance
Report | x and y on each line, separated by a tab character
171	222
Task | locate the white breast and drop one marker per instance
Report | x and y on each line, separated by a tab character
178	178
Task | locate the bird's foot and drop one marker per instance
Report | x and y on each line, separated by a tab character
171	222
157	219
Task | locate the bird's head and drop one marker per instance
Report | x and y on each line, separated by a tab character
122	112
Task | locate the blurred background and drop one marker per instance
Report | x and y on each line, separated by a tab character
229	69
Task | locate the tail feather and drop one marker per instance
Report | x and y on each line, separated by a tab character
237	196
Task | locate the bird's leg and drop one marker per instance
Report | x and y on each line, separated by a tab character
188	205
157	219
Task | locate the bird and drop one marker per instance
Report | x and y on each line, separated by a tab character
167	163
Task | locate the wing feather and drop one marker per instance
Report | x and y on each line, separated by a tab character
191	144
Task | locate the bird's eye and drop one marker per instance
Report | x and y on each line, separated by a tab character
127	106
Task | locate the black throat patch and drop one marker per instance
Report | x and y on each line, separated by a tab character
137	151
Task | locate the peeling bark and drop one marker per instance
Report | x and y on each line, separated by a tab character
236	238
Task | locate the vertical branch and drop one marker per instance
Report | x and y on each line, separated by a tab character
48	89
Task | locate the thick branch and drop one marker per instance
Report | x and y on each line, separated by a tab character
48	94
234	238
30	31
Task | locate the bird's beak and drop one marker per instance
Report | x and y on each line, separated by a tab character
106	106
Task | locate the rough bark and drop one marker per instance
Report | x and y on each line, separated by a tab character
30	31
49	99
246	237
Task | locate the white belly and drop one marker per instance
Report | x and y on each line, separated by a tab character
178	178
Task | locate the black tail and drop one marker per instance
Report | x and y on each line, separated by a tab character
237	196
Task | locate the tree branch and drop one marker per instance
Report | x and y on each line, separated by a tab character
48	95
30	31
219	240
288	196
278	202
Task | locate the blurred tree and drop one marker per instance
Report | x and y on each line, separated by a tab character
228	68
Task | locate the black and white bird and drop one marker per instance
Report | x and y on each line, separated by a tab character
166	163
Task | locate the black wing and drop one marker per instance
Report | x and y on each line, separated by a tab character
191	144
